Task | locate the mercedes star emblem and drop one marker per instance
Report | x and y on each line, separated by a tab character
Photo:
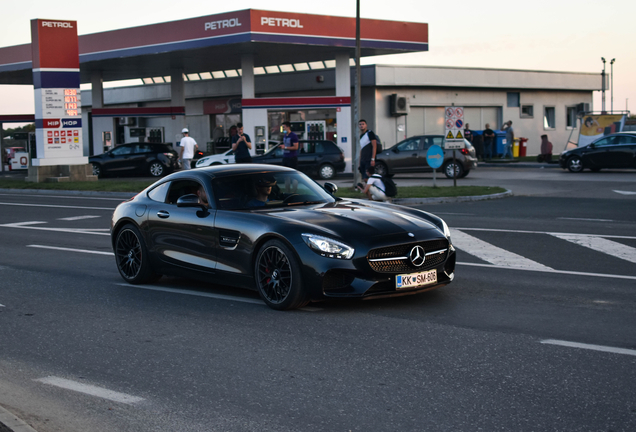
417	256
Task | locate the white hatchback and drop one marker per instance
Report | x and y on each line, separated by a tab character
217	159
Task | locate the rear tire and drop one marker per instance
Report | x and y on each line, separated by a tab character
156	169
326	171
131	256
448	170
381	169
277	277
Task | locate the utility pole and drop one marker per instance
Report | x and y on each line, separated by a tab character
356	103
612	83
603	87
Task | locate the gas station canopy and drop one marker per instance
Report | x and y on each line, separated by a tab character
217	42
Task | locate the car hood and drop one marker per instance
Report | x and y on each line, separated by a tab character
351	219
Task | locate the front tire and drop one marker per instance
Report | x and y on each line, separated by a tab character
277	277
326	171
575	164
449	167
156	169
132	257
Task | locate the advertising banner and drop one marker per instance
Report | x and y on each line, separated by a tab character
595	126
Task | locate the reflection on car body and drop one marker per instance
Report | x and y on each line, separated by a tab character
301	244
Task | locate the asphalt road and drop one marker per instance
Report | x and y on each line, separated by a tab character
537	332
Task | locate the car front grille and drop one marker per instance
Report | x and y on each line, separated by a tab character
395	259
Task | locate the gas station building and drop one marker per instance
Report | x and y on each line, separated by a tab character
263	67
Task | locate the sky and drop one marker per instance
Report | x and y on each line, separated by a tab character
551	35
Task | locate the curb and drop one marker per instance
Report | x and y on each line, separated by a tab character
13	423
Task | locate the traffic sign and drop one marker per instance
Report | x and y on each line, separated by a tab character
454	144
450	135
435	156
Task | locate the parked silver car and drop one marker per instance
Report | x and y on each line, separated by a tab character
410	156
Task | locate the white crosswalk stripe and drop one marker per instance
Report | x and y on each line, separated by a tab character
600	244
492	254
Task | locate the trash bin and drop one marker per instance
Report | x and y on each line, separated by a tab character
499	147
515	148
523	146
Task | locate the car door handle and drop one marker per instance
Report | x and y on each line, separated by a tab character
163	214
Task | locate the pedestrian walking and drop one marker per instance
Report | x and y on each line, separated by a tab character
188	148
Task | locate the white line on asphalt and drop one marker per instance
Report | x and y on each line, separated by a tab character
625	192
542	232
598	244
90	390
602	348
57	206
587	219
1	305
209	295
493	254
71	250
69	230
66	197
613	276
74	218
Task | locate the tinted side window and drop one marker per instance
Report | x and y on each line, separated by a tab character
144	148
123	150
321	148
409	145
159	193
626	139
180	188
604	142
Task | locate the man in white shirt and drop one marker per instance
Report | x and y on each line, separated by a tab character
374	189
188	148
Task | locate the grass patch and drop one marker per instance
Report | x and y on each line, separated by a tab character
430	192
99	186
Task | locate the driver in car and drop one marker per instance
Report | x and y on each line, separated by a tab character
263	190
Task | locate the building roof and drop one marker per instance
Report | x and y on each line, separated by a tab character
216	42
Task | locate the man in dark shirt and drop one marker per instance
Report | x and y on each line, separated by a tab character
368	148
241	144
489	142
290	146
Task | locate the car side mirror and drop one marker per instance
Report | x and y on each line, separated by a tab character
396	150
190	200
331	188
592	145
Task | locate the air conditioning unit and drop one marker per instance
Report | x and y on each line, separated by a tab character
127	121
582	108
399	105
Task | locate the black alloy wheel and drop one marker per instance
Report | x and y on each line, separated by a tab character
277	276
575	164
131	256
326	171
156	169
381	169
448	169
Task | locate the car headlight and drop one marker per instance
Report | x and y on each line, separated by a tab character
328	247
202	161
446	231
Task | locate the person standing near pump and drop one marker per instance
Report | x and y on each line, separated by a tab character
241	145
510	138
368	149
188	148
290	146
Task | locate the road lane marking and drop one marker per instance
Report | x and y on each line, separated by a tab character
625	192
91	390
71	250
602	348
120	199
543	232
599	244
568	272
587	219
1	305
57	206
75	218
68	230
493	254
209	295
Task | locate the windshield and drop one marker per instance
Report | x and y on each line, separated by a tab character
267	189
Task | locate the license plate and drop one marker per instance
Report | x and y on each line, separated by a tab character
414	280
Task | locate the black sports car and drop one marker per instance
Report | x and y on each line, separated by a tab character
275	230
617	150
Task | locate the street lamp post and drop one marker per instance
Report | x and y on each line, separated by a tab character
603	87
612	82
